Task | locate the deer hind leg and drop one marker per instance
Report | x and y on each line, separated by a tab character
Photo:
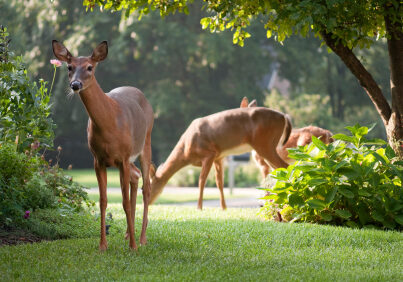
261	163
100	172
134	181
219	179
206	166
124	183
271	156
145	170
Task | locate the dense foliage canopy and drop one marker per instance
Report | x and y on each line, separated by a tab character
341	24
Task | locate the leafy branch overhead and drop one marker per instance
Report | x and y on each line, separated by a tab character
341	24
354	23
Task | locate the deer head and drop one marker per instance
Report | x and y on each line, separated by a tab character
81	69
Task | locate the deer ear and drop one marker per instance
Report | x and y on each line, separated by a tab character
61	52
100	52
244	103
252	104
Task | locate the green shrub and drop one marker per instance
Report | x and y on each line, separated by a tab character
16	170
353	181
24	105
28	183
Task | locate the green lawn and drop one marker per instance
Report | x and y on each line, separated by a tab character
185	244
87	178
116	197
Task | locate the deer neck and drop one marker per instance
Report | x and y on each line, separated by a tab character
175	162
99	106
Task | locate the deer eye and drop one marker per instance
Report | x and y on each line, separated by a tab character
69	67
89	68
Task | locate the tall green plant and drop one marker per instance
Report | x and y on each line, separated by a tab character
353	181
24	105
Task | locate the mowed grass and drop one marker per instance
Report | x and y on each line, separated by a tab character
185	244
116	197
87	177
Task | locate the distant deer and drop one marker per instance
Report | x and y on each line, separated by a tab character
298	137
119	130
209	139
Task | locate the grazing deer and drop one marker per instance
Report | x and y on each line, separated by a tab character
298	137
119	130
209	139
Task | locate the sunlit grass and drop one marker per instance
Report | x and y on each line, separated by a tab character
116	197
185	244
87	178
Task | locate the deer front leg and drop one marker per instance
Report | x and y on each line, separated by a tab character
134	181
124	183
219	179
145	170
206	166
100	171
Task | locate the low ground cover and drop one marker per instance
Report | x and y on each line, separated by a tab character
187	244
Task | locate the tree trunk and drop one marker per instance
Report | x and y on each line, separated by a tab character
391	117
394	127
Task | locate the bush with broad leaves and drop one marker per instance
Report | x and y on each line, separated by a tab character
353	181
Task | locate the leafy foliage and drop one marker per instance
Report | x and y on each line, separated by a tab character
353	181
28	183
24	105
363	19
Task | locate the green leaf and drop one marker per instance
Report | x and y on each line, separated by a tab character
343	213
390	154
331	194
317	204
299	156
295	200
399	219
375	141
364	192
346	192
317	181
318	143
345	138
326	216
378	216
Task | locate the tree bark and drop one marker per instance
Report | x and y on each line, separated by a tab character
394	128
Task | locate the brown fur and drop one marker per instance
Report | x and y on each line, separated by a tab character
209	139
119	129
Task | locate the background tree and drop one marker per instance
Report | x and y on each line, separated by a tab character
184	71
341	24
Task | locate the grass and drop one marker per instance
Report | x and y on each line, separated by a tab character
87	178
185	244
116	197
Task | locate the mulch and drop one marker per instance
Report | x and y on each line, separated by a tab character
13	236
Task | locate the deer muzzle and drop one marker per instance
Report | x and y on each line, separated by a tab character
76	85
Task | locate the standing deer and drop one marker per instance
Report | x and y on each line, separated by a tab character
119	130
209	139
298	137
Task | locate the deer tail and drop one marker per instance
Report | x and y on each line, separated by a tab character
287	129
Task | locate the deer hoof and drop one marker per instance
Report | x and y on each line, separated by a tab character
103	247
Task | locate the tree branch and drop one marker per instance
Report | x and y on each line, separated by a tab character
364	77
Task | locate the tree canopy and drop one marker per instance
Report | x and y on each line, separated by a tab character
341	24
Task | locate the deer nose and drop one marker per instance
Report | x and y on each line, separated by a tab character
76	85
